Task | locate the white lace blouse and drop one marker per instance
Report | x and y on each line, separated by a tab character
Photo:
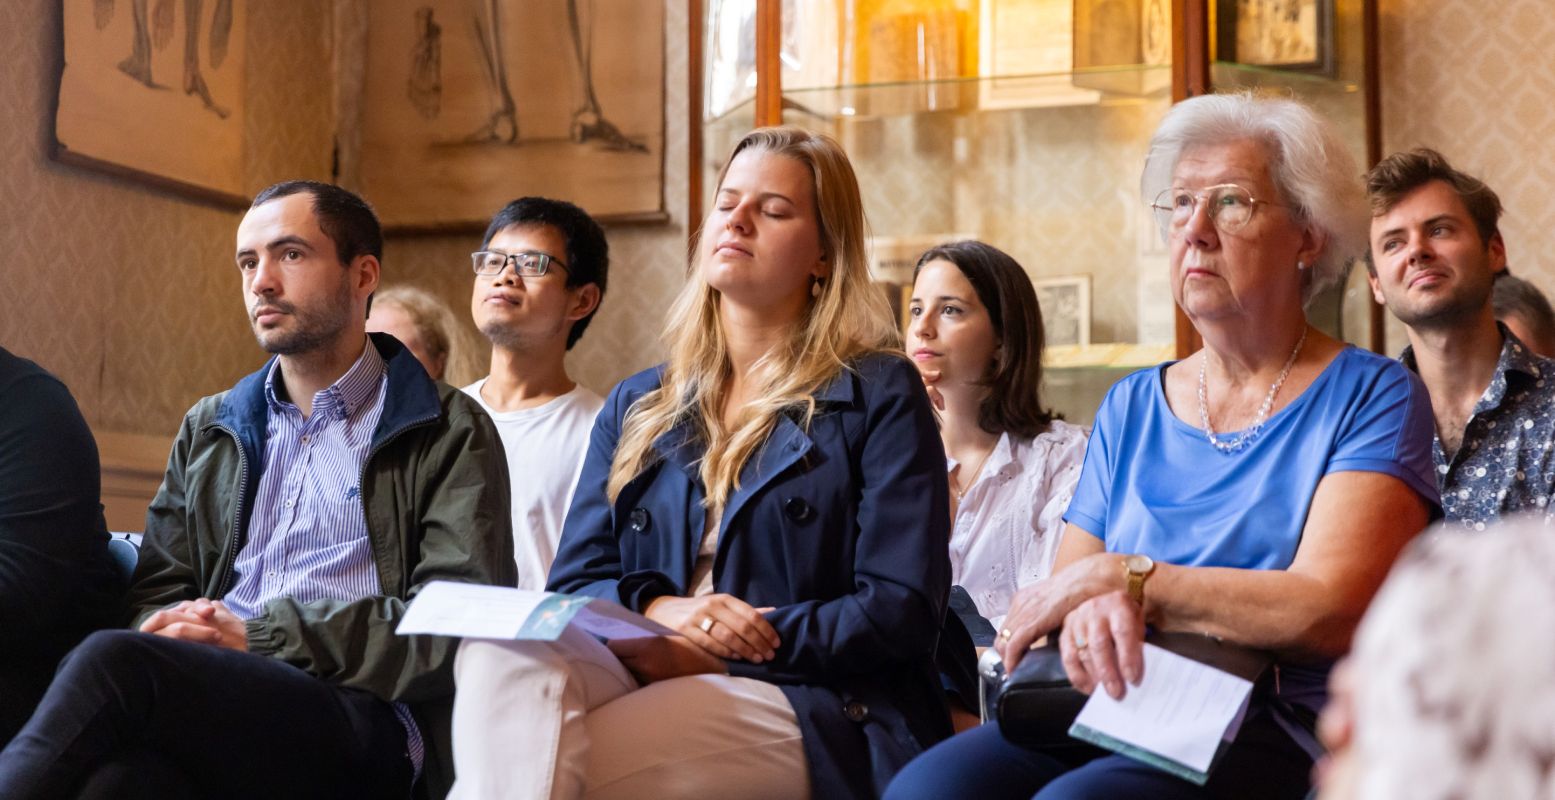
1008	525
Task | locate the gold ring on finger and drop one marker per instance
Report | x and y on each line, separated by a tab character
707	624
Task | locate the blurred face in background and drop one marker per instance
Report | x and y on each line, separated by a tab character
391	319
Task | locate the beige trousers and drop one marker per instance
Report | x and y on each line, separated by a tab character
564	719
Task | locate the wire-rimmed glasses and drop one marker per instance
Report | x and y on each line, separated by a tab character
1230	207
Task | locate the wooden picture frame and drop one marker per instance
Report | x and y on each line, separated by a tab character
1294	35
154	92
891	263
1065	303
1123	46
469	105
1025	53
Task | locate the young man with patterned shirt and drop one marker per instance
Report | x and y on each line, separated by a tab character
300	512
1435	252
539	277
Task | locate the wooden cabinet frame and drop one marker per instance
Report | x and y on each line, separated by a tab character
1190	78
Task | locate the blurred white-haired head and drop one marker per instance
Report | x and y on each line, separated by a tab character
1452	678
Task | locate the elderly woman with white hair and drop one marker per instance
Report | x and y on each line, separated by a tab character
1256	491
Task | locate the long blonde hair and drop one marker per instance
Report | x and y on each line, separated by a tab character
848	318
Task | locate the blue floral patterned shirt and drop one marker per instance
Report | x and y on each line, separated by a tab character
1506	463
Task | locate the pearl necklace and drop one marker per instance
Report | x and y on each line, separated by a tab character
1246	437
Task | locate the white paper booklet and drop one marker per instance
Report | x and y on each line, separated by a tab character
473	611
1176	719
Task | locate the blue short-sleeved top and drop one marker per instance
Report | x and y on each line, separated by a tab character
1153	484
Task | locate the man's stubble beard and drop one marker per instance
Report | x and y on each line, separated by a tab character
315	327
1465	303
515	340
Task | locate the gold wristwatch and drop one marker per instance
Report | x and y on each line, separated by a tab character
1136	568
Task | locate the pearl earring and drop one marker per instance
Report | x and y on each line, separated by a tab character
1301	265
815	287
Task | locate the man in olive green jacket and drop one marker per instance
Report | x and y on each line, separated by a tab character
280	553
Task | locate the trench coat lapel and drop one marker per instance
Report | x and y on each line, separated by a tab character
786	445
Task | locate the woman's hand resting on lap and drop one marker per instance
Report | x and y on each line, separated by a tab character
657	658
1040	608
737	630
1102	644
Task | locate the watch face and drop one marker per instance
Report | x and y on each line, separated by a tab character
1139	564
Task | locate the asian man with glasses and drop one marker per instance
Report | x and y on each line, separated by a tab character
539	278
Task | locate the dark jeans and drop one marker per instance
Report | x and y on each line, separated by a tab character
1264	762
21	686
135	715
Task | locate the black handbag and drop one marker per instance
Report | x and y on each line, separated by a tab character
1036	704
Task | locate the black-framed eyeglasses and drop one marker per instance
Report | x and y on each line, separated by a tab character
525	265
1230	207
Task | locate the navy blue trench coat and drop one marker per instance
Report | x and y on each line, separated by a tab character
843	528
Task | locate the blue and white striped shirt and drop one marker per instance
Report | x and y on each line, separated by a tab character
307	536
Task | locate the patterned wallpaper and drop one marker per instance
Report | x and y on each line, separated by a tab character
647	262
127	292
1475	80
1053	187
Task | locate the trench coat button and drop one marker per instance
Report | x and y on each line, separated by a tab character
855	711
796	509
640	520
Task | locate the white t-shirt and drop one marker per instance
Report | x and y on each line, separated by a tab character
1007	528
545	447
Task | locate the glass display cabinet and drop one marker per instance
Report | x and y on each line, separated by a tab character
1025	123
